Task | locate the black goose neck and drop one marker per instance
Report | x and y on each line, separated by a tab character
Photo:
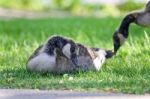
124	27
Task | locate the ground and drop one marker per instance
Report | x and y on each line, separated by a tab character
127	72
63	94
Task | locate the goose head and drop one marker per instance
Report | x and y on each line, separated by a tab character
101	56
140	18
120	35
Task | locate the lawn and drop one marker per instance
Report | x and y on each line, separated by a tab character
127	72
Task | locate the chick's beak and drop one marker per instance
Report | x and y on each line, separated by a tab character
109	53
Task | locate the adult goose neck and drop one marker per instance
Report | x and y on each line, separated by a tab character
124	26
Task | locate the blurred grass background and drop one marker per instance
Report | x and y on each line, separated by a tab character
90	22
77	7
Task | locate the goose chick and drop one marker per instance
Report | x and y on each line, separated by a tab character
88	59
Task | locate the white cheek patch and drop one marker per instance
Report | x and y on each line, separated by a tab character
97	63
66	50
100	59
121	38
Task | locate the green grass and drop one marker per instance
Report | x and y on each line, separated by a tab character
128	72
